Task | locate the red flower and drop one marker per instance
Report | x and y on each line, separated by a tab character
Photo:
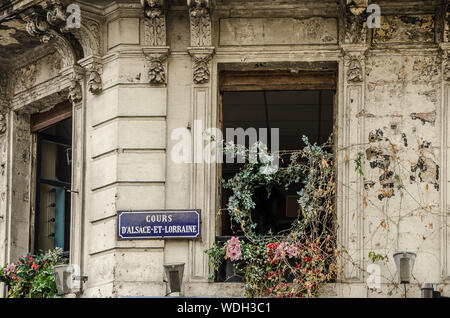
272	246
34	266
297	266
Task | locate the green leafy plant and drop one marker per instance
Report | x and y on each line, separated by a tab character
374	257
296	262
32	275
358	163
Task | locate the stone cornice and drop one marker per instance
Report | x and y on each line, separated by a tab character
39	97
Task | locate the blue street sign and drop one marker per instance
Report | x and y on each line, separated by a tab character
158	224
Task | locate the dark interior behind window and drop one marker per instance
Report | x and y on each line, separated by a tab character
53	185
295	113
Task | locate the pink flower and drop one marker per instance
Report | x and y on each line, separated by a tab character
10	269
285	249
234	251
34	266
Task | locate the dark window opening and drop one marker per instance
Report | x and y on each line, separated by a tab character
295	113
53	186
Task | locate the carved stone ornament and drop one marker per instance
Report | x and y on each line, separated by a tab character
201	67
56	14
157	68
354	17
37	25
446	64
94	83
199	11
75	90
354	69
155	22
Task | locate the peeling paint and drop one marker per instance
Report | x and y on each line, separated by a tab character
425	117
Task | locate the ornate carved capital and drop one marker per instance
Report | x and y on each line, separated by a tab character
354	70
94	68
443	58
201	64
76	89
157	62
354	56
155	22
200	14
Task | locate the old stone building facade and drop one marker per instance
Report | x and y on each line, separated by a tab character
134	71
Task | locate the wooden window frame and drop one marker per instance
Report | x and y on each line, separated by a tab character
57	114
243	81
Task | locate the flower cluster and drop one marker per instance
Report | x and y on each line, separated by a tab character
292	263
234	251
32	275
9	270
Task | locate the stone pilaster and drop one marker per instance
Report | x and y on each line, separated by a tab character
445	159
352	131
201	49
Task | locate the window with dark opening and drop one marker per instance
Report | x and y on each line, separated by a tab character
294	113
53	178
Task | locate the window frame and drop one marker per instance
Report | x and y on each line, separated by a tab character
39	122
269	80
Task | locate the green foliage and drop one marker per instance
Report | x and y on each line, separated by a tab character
305	254
32	275
374	257
216	257
358	163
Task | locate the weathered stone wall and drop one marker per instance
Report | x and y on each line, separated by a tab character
141	77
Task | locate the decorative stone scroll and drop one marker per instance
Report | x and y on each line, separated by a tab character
201	48
154	22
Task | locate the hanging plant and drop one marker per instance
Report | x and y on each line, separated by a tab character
294	263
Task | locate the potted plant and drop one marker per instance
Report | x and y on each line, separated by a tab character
31	276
